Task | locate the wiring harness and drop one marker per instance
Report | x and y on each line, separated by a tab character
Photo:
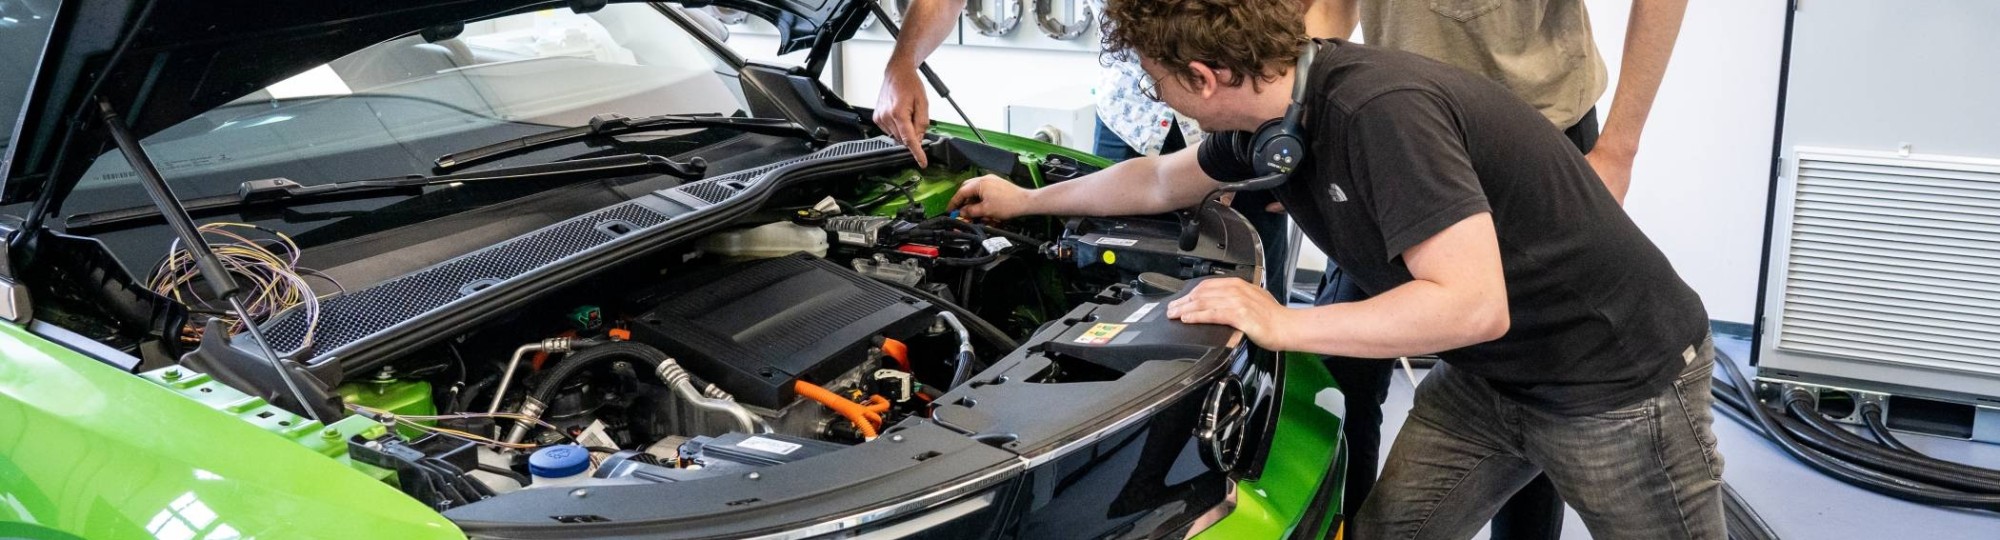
269	267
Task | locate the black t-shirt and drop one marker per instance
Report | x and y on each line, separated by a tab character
1403	146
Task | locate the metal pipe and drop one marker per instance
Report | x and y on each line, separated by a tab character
531	410
677	379
551	345
963	369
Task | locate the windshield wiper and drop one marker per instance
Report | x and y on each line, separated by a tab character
612	124
270	190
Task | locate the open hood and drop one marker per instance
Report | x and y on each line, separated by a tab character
186	57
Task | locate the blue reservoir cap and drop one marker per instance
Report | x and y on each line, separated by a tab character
559	461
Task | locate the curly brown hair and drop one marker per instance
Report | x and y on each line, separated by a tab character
1260	38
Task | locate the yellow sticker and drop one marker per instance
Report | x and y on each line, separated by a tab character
1100	334
1110	258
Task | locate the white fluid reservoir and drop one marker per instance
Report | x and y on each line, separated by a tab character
767	241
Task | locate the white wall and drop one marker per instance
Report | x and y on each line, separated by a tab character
1703	171
983	79
1699	183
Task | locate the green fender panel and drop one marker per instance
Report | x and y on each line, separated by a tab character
91	451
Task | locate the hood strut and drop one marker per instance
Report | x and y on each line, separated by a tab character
220	283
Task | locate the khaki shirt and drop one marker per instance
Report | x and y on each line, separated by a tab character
1540	49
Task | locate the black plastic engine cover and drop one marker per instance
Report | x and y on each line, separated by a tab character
753	328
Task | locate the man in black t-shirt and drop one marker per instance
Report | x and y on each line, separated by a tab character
1569	345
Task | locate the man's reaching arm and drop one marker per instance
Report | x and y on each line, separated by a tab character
902	110
1146	185
1458	297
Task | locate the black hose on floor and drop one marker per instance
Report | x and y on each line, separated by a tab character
1829	438
1871	414
1742	521
1863	477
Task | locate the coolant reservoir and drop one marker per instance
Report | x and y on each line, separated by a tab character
767	241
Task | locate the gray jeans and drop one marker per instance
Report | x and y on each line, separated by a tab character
1649	470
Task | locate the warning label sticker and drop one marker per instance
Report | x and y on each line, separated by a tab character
1142	312
769	445
1100	334
1109	241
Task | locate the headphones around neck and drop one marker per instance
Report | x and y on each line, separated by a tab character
1279	146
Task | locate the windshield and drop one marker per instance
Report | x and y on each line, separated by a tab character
24	31
391	108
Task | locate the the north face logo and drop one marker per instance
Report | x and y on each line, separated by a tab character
1333	191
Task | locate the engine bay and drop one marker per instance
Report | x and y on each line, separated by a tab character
829	314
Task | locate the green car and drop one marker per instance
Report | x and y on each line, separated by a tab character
519	269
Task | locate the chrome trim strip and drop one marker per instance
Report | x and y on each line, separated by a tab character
927	501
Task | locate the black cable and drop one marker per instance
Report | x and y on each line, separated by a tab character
1862	477
1871	414
1743	521
503	471
973	322
1014	236
465	397
1839	442
1807	427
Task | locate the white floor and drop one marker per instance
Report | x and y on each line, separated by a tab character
1796	501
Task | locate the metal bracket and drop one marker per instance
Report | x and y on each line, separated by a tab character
14	303
14	299
975	11
1054	27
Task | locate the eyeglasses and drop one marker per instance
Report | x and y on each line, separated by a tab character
1150	88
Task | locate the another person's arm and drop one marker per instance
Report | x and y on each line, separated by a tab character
902	110
1649	43
1332	18
1145	185
1458	297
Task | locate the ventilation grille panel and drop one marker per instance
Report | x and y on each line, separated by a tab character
352	316
1894	260
358	314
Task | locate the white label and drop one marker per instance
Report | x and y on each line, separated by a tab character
853	238
1143	311
1109	241
769	445
995	244
594	436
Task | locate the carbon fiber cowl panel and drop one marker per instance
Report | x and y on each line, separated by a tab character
361	313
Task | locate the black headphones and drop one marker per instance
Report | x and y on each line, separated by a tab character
1278	146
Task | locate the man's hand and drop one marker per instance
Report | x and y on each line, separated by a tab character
991	197
1614	167
1234	303
903	111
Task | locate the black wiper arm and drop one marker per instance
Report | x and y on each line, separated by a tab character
611	124
255	192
